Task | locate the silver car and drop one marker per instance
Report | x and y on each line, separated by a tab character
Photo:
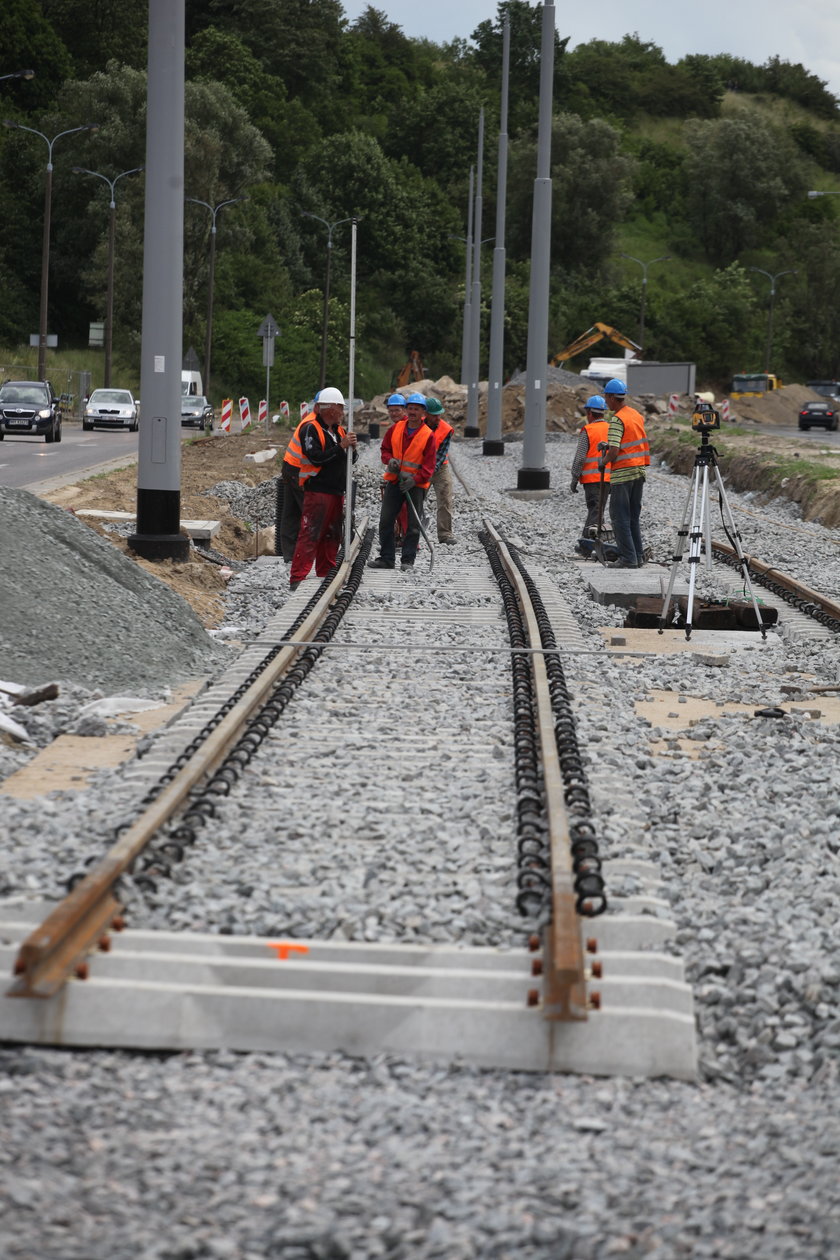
111	409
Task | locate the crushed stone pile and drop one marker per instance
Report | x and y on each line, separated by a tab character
76	609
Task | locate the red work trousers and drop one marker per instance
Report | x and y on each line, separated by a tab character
319	535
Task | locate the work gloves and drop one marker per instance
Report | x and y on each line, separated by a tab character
573	487
393	465
407	482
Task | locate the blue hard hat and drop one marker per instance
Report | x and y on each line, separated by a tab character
396	400
418	400
615	386
596	403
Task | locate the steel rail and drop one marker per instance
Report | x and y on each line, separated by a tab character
797	589
564	982
81	921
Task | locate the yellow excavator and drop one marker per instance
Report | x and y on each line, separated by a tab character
596	333
413	370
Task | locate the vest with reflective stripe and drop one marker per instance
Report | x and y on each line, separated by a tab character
410	455
294	451
441	433
308	470
634	450
596	431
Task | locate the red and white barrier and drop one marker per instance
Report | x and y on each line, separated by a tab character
724	409
227	410
244	414
673	404
304	409
262	413
284	409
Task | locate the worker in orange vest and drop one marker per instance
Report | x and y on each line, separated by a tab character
627	457
292	491
585	465
442	477
408	453
325	445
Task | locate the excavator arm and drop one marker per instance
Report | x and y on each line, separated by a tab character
413	370
596	333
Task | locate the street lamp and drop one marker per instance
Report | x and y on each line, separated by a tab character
18	74
772	278
644	266
329	226
828	193
211	276
45	251
112	215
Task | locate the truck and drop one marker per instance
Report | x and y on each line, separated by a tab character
753	384
191	384
643	377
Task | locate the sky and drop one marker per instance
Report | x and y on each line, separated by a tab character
806	32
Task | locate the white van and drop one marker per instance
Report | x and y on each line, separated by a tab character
191	383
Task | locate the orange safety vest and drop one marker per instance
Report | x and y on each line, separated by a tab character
294	451
634	451
410	456
441	434
308	470
596	431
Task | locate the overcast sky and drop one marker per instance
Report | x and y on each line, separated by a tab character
806	32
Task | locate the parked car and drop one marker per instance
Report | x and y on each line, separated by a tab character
111	409
30	407
819	413
196	410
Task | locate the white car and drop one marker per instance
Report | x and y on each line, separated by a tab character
111	409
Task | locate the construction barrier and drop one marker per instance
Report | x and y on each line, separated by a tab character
262	413
724	409
227	410
304	409
244	415
284	410
673	404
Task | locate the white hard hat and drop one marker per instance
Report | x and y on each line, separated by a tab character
330	396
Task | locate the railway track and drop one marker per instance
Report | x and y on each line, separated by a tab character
499	948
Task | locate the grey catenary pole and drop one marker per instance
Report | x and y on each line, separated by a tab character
351	386
493	444
533	475
471	427
159	471
465	340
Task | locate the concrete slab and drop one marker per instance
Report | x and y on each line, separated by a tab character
703	643
202	530
622	587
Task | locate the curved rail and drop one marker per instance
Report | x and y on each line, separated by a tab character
82	919
796	593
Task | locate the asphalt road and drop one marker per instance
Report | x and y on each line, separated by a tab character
29	463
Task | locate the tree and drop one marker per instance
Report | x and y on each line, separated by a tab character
525	59
717	323
96	33
30	42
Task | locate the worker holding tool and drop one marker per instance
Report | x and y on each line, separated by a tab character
442	477
585	463
627	456
325	444
408	452
292	489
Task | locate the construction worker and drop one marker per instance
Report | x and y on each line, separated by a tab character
627	456
292	492
585	468
442	477
396	411
408	453
324	444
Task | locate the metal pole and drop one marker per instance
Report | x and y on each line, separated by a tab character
533	475
45	274
471	428
109	301
644	266
325	329
211	280
465	340
493	444
158	533
772	278
351	385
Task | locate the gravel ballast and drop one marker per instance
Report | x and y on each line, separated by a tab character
215	1154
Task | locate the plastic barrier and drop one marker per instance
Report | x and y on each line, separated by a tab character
724	409
262	413
227	411
244	414
673	404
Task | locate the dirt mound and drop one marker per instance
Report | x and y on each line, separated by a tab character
780	406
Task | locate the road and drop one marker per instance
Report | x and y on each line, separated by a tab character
30	463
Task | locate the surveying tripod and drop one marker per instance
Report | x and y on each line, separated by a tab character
699	532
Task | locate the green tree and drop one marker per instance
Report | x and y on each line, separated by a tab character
96	33
717	323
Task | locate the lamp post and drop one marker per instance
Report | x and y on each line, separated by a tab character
211	277
18	74
45	249
112	214
828	193
772	278
644	266
307	214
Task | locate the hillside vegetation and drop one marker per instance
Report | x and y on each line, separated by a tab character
707	161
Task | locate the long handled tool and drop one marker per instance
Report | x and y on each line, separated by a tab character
600	555
422	530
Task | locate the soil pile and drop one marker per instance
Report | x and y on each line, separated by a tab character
780	406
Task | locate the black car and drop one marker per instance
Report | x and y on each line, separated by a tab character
30	407
824	414
196	410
